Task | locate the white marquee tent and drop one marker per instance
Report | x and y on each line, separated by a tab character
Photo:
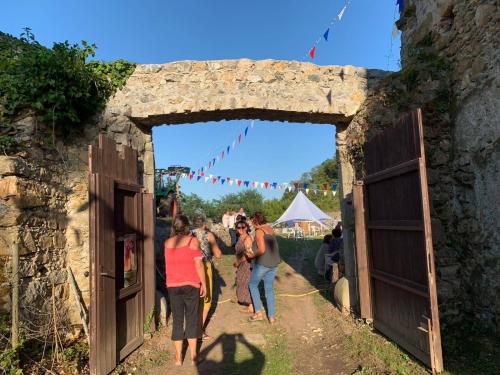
302	209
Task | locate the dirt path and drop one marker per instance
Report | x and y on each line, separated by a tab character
309	338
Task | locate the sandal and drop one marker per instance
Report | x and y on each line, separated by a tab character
245	310
256	318
205	336
272	320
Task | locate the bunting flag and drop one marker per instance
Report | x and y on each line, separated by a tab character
225	151
341	14
401	4
285	186
395	31
252	124
312	52
326	34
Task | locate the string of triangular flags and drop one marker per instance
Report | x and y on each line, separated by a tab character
225	151
326	34
284	186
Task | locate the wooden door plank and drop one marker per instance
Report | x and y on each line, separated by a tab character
149	257
94	359
435	332
361	252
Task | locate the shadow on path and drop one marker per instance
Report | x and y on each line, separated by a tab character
229	364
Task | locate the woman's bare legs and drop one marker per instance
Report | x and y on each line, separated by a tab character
192	349
178	352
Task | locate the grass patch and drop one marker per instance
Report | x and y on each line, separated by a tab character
278	360
371	347
241	357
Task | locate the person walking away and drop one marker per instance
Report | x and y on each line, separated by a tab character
225	220
319	261
242	212
243	266
209	249
231	223
265	250
185	284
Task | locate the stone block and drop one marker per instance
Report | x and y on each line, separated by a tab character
484	12
8	165
59	240
8	237
341	295
9	215
27	243
25	194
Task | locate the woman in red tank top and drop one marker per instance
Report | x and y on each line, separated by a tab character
185	284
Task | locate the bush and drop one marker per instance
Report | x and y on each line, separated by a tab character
57	83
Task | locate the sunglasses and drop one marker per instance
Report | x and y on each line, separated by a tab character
241	227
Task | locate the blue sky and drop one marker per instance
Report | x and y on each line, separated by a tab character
154	31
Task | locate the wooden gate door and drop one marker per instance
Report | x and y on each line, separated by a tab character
394	242
121	244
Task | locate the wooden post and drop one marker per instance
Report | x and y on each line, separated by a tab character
15	295
362	251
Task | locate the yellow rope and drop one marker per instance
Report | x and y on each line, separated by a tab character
285	295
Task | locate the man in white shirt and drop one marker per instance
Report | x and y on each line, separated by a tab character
232	231
225	220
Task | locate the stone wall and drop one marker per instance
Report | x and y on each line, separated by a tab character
466	33
44	206
450	68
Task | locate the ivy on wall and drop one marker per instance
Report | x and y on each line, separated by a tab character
59	84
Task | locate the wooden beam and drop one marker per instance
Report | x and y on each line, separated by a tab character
362	251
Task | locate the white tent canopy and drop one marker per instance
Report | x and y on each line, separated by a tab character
302	209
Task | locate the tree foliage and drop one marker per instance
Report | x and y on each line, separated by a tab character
252	200
58	83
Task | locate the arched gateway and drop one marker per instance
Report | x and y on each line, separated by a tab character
197	91
189	92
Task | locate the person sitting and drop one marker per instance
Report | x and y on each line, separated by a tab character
336	243
319	261
334	252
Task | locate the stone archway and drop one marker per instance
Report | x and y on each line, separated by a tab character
198	91
45	193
